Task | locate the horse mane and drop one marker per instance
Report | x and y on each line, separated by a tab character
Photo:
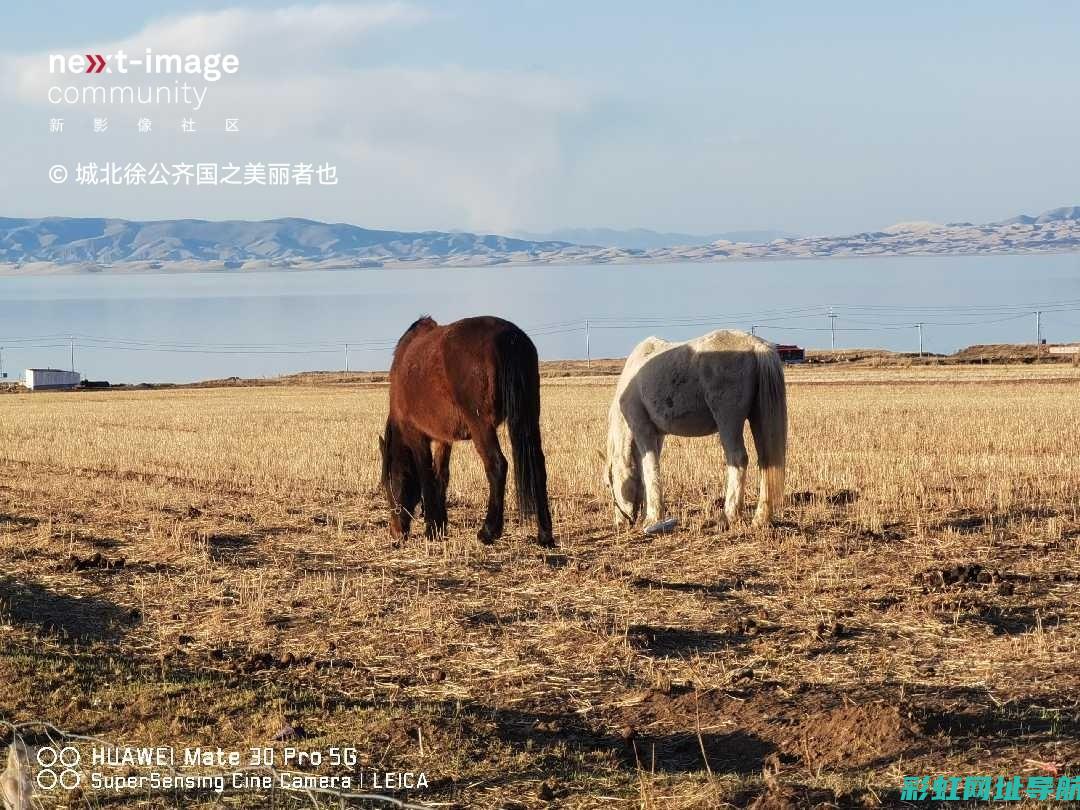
422	324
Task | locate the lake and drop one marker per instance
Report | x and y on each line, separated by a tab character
184	327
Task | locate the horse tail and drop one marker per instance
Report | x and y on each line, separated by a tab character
519	393
768	423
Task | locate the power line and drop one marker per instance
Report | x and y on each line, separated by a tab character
849	318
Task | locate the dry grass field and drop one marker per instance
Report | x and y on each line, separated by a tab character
212	567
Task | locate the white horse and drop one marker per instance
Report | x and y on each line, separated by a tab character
711	384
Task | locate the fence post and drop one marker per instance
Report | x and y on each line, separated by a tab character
588	347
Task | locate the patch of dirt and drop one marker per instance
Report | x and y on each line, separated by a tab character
793	797
234	549
888	533
810	727
96	561
962	574
674	641
841	497
855	736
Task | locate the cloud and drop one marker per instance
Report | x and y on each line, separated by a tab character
417	147
310	30
289	38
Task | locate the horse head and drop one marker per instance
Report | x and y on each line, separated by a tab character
627	492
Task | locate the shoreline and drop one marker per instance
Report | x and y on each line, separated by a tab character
186	267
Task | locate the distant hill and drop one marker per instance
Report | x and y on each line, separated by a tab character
644	239
58	244
1064	214
281	241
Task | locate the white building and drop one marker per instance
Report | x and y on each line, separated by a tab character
39	379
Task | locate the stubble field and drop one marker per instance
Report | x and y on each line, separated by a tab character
211	567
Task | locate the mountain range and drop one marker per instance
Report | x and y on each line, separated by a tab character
238	243
61	244
644	239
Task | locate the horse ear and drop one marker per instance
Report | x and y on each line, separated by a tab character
382	446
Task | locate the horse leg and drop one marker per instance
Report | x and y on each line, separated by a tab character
434	507
731	438
763	513
650	443
441	462
544	536
486	440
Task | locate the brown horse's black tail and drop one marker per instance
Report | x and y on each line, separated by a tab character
519	391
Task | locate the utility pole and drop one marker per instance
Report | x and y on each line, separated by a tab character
832	329
2	375
72	340
1038	327
588	347
753	330
346	357
919	326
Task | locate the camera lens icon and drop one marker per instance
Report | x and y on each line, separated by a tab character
58	768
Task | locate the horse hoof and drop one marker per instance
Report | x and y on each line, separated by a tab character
546	541
485	536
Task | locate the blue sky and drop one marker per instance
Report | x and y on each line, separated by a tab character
686	116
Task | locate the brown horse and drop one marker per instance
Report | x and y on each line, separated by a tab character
453	383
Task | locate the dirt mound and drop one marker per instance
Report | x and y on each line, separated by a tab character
1008	353
856	736
793	797
809	727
